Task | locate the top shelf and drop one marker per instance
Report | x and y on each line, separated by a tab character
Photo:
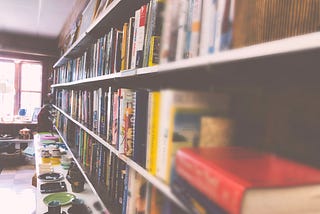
99	26
294	58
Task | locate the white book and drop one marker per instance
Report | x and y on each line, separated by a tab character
195	29
166	31
134	41
181	38
224	26
208	27
220	11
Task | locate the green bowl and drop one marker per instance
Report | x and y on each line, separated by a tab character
63	197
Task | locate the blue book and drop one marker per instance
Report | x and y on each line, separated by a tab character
195	201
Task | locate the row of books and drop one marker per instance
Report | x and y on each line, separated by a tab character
91	12
163	31
121	188
141	42
149	126
87	107
102	57
136	45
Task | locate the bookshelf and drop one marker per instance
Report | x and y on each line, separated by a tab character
256	77
290	52
154	181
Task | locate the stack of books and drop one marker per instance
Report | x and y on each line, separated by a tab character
240	180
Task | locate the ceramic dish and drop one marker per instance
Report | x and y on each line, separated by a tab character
50	177
63	197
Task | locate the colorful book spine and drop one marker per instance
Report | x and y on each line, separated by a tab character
140	127
195	28
208	27
124	50
153	127
194	200
130	41
179	124
141	35
115	121
134	40
129	121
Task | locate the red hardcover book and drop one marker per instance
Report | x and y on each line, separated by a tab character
246	181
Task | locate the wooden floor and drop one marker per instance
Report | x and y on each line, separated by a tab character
17	195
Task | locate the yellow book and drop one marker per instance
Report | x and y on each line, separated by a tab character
124	47
153	132
180	121
154	51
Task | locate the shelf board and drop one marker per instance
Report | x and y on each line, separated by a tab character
308	42
165	189
88	81
276	58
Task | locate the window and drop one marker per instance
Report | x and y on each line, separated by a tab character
20	87
31	78
7	90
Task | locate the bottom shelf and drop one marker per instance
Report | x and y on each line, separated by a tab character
116	178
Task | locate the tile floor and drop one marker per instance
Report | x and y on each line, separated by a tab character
17	195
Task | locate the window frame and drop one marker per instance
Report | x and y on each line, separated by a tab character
18	81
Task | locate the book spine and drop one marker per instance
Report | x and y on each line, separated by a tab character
140	127
129	118
194	200
195	29
110	115
153	57
213	182
141	35
125	191
148	32
165	36
208	27
153	131
130	41
122	106
121	139
134	42
124	47
163	133
117	56
186	53
115	121
182	19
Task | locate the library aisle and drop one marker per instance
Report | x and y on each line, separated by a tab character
17	195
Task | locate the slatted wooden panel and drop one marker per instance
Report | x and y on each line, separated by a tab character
258	21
